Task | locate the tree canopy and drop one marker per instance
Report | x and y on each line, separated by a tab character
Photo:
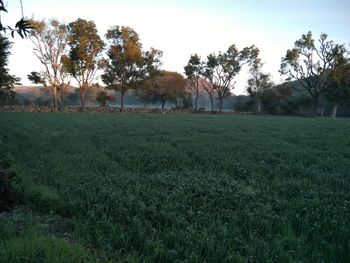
83	59
308	63
7	81
128	66
50	40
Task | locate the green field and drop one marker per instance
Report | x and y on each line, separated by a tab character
176	188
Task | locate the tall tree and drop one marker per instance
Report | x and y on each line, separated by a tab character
258	82
128	66
220	70
307	63
50	39
7	81
208	75
193	71
83	59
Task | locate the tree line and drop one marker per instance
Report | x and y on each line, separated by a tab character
320	69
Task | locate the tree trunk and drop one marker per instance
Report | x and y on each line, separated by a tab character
196	102
62	95
315	106
82	103
55	101
122	93
211	102
334	110
220	104
258	105
323	109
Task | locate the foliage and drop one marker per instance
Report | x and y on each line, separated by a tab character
308	63
220	70
243	104
22	27
128	66
84	55
102	98
50	40
37	78
166	86
7	81
195	188
278	100
193	71
258	83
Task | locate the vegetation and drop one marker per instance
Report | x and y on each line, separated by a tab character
22	26
7	81
176	188
50	40
83	60
128	67
193	71
310	64
165	86
258	83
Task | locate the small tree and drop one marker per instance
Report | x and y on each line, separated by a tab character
167	86
102	98
128	66
193	71
7	81
257	84
84	55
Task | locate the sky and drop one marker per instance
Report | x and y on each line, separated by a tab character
180	28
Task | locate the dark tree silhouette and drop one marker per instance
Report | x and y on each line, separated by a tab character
22	26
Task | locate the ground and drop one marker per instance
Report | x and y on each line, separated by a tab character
176	188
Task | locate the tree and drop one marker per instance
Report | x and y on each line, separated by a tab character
128	66
50	41
337	88
167	86
102	98
277	100
83	59
220	70
22	26
193	71
307	63
7	81
257	84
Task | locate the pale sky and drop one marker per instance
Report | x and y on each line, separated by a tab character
180	28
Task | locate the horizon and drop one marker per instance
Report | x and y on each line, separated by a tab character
180	29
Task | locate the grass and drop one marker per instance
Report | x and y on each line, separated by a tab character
178	188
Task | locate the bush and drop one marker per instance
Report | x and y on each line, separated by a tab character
102	98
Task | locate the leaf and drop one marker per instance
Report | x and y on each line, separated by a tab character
2	8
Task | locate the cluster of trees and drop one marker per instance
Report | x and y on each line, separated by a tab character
75	51
218	72
322	70
317	74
